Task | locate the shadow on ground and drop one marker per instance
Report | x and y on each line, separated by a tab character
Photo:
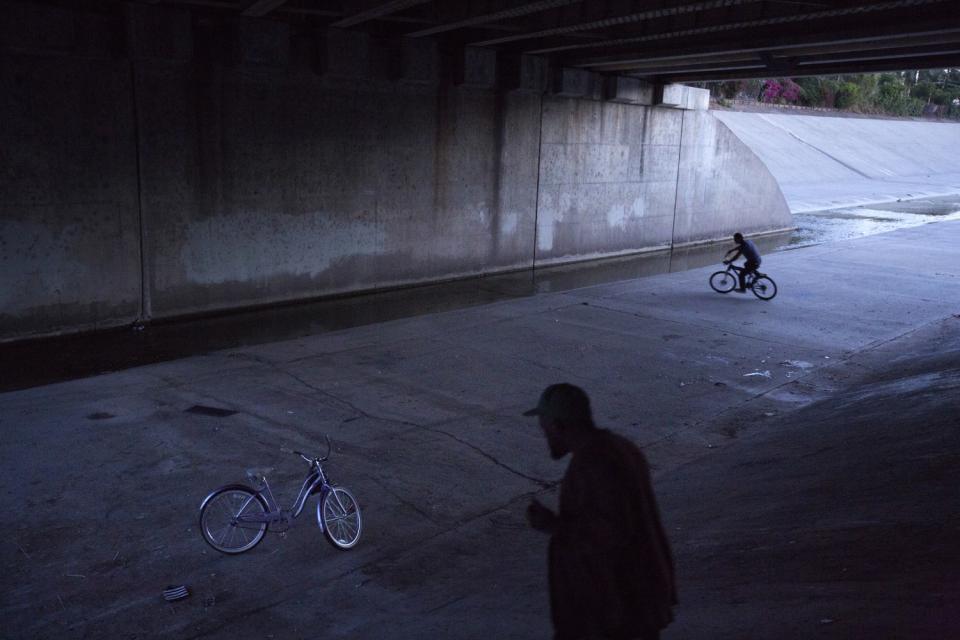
838	520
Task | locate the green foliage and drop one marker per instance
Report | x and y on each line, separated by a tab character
941	98
923	91
868	85
810	95
902	105
729	89
901	93
847	96
930	76
828	92
750	88
890	91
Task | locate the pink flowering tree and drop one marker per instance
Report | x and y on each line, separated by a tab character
780	91
790	91
771	91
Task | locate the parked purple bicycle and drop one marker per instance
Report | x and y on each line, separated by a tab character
235	517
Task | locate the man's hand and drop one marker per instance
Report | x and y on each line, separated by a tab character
540	517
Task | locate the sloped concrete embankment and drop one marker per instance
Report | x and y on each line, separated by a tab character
826	163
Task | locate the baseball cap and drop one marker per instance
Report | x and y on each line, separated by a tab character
565	401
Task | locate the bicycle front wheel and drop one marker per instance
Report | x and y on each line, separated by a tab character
223	520
723	281
764	288
339	515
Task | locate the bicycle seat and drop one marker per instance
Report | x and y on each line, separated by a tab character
259	474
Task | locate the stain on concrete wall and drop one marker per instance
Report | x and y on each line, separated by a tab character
301	185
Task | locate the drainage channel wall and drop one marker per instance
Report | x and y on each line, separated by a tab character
160	162
829	162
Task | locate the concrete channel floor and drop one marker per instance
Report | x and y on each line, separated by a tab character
804	454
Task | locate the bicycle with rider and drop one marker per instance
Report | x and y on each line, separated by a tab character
750	254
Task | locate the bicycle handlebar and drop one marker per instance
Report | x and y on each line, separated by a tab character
306	457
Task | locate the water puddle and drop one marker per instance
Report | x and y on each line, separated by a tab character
853	222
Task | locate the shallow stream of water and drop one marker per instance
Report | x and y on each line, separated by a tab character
853	222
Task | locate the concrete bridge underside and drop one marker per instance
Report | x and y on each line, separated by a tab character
166	158
209	164
658	40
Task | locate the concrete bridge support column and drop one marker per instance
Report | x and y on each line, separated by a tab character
69	223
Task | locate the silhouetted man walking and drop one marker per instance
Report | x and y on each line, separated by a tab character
610	568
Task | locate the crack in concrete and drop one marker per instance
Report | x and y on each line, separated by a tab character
404	502
444	605
540	482
297	590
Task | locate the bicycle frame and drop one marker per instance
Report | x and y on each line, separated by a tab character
235	517
751	277
316	481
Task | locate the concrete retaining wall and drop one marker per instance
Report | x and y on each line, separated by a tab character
159	164
608	178
259	188
69	222
619	178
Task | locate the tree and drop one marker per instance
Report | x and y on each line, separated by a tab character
771	91
828	91
900	93
940	98
923	91
810	94
847	96
790	92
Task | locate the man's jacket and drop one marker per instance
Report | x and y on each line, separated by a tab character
611	570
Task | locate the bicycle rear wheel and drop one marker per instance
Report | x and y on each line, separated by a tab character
220	521
764	288
339	515
723	281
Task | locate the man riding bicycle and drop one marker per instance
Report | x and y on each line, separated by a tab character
749	252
